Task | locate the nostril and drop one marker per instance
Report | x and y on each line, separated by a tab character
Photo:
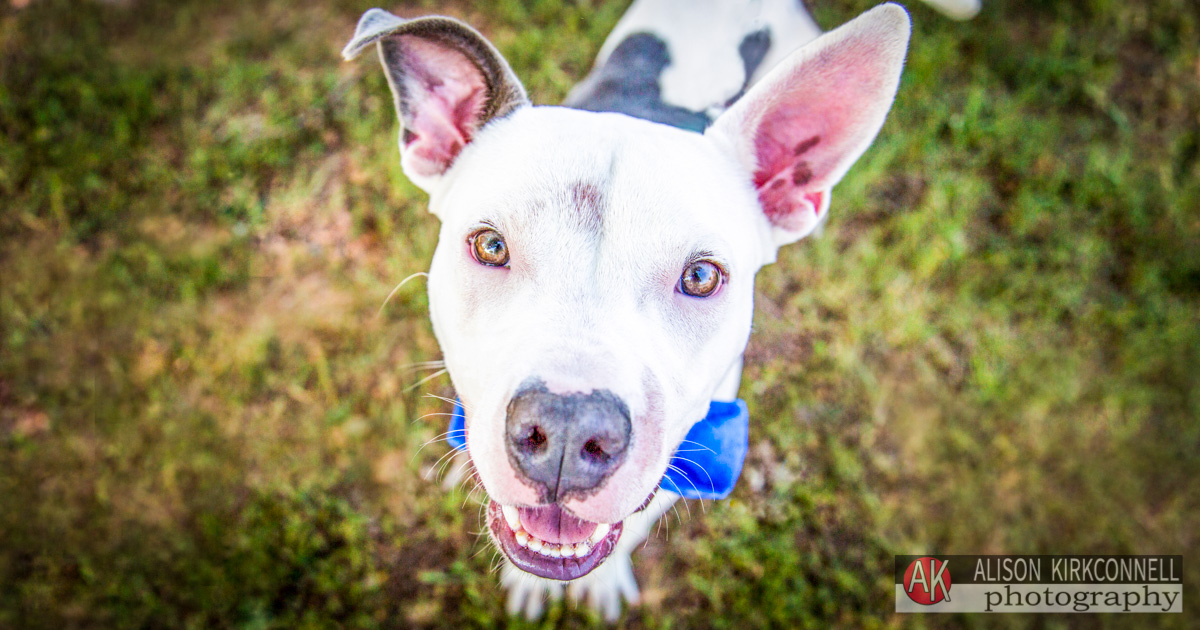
593	451
534	440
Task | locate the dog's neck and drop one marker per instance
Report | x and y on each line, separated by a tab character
727	391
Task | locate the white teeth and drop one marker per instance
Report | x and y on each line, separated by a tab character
512	517
555	550
601	531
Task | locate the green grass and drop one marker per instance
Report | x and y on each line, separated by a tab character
204	422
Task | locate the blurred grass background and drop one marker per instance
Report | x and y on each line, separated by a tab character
204	423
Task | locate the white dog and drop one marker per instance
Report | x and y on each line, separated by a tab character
592	286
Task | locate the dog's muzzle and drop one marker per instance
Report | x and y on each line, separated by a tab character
564	446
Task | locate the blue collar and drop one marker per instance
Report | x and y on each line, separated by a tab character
705	466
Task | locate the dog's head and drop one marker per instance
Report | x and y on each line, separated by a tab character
593	281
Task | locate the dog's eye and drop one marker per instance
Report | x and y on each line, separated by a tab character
489	248
701	279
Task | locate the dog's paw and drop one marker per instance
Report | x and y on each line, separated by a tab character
527	594
604	588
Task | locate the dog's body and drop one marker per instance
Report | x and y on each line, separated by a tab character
681	62
592	287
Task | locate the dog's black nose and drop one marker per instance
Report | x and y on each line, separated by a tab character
566	443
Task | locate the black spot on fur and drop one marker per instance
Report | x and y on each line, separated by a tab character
803	147
801	173
627	83
753	50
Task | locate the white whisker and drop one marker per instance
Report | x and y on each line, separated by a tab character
435	467
438	438
703	470
687	505
426	380
684	475
402	283
441	465
430	415
422	364
449	400
703	447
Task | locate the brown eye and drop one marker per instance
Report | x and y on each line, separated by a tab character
489	248
701	279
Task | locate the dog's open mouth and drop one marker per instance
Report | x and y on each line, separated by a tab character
550	542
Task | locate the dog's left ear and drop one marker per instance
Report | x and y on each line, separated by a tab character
804	124
447	82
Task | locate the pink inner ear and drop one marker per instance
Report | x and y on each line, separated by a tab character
787	182
788	208
446	99
810	131
785	173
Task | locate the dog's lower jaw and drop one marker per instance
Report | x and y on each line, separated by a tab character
565	562
605	587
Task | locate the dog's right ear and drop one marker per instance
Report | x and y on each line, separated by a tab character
801	127
447	82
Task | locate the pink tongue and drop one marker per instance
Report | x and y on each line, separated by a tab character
551	524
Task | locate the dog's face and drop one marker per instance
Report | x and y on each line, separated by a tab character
593	281
627	267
